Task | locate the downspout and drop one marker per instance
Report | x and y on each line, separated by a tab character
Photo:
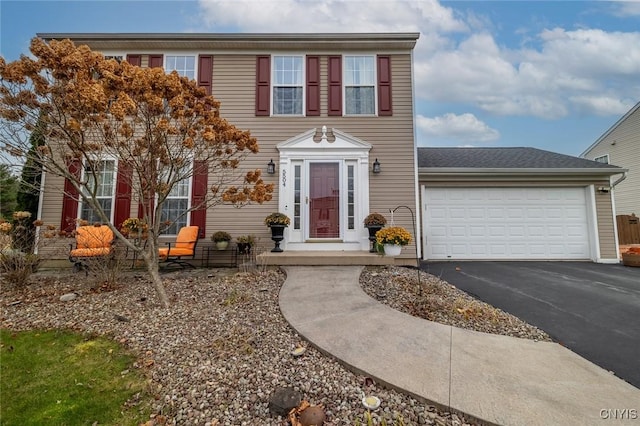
623	177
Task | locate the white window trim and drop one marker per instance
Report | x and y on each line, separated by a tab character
189	197
600	157
191	54
272	84
375	86
114	189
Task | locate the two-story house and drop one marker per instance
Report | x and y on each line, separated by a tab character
324	108
620	145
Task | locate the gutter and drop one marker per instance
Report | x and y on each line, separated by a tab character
488	172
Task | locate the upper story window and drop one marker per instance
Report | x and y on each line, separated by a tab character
184	65
100	181
359	85
288	84
602	159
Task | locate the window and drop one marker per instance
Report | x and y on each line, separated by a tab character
602	159
101	180
184	65
288	84
359	85
176	206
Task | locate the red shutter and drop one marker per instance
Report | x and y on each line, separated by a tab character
156	61
70	197
135	60
205	72
384	86
335	85
263	83
313	85
122	208
198	195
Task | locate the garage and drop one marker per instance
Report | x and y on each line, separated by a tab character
516	204
506	223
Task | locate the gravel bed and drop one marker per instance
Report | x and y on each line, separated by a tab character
218	353
439	301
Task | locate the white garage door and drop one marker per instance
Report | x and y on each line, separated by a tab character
506	223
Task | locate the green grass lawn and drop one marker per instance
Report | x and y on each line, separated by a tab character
65	378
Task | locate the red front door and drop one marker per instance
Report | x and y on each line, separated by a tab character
324	200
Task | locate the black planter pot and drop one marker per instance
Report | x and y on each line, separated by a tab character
244	248
277	235
372	236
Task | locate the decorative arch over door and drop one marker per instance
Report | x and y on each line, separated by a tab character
324	188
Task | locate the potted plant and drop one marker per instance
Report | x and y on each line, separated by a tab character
374	222
392	239
245	242
221	238
277	222
134	227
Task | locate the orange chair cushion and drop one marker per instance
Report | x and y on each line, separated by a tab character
174	251
93	237
187	237
91	252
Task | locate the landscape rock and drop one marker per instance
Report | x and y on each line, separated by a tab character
284	400
68	297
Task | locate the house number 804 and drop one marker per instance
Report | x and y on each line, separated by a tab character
284	178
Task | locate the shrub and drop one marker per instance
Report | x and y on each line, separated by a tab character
375	219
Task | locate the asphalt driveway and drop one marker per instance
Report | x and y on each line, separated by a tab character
592	309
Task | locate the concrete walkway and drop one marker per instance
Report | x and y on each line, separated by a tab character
497	379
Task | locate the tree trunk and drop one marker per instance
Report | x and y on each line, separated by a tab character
151	260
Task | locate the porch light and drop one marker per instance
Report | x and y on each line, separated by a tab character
376	166
271	167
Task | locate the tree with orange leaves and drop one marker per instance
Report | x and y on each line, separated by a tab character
160	127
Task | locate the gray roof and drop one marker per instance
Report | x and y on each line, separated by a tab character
503	158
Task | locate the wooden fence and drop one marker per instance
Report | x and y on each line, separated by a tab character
628	229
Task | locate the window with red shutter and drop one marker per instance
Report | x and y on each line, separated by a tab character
205	72
263	83
135	60
198	195
384	86
313	85
335	85
70	197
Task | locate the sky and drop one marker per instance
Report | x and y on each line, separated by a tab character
552	75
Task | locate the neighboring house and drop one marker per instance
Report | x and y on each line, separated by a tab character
515	204
323	107
620	145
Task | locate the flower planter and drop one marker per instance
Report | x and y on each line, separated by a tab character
631	259
372	236
277	235
244	248
222	245
392	249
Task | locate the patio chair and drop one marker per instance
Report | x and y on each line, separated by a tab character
92	243
183	248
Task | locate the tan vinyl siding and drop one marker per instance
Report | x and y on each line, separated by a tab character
622	145
604	216
606	227
391	137
233	84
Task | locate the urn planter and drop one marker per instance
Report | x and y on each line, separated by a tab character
277	235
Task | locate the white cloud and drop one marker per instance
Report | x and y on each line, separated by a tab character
626	8
458	60
330	15
463	127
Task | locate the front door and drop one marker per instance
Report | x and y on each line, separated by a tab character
324	200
